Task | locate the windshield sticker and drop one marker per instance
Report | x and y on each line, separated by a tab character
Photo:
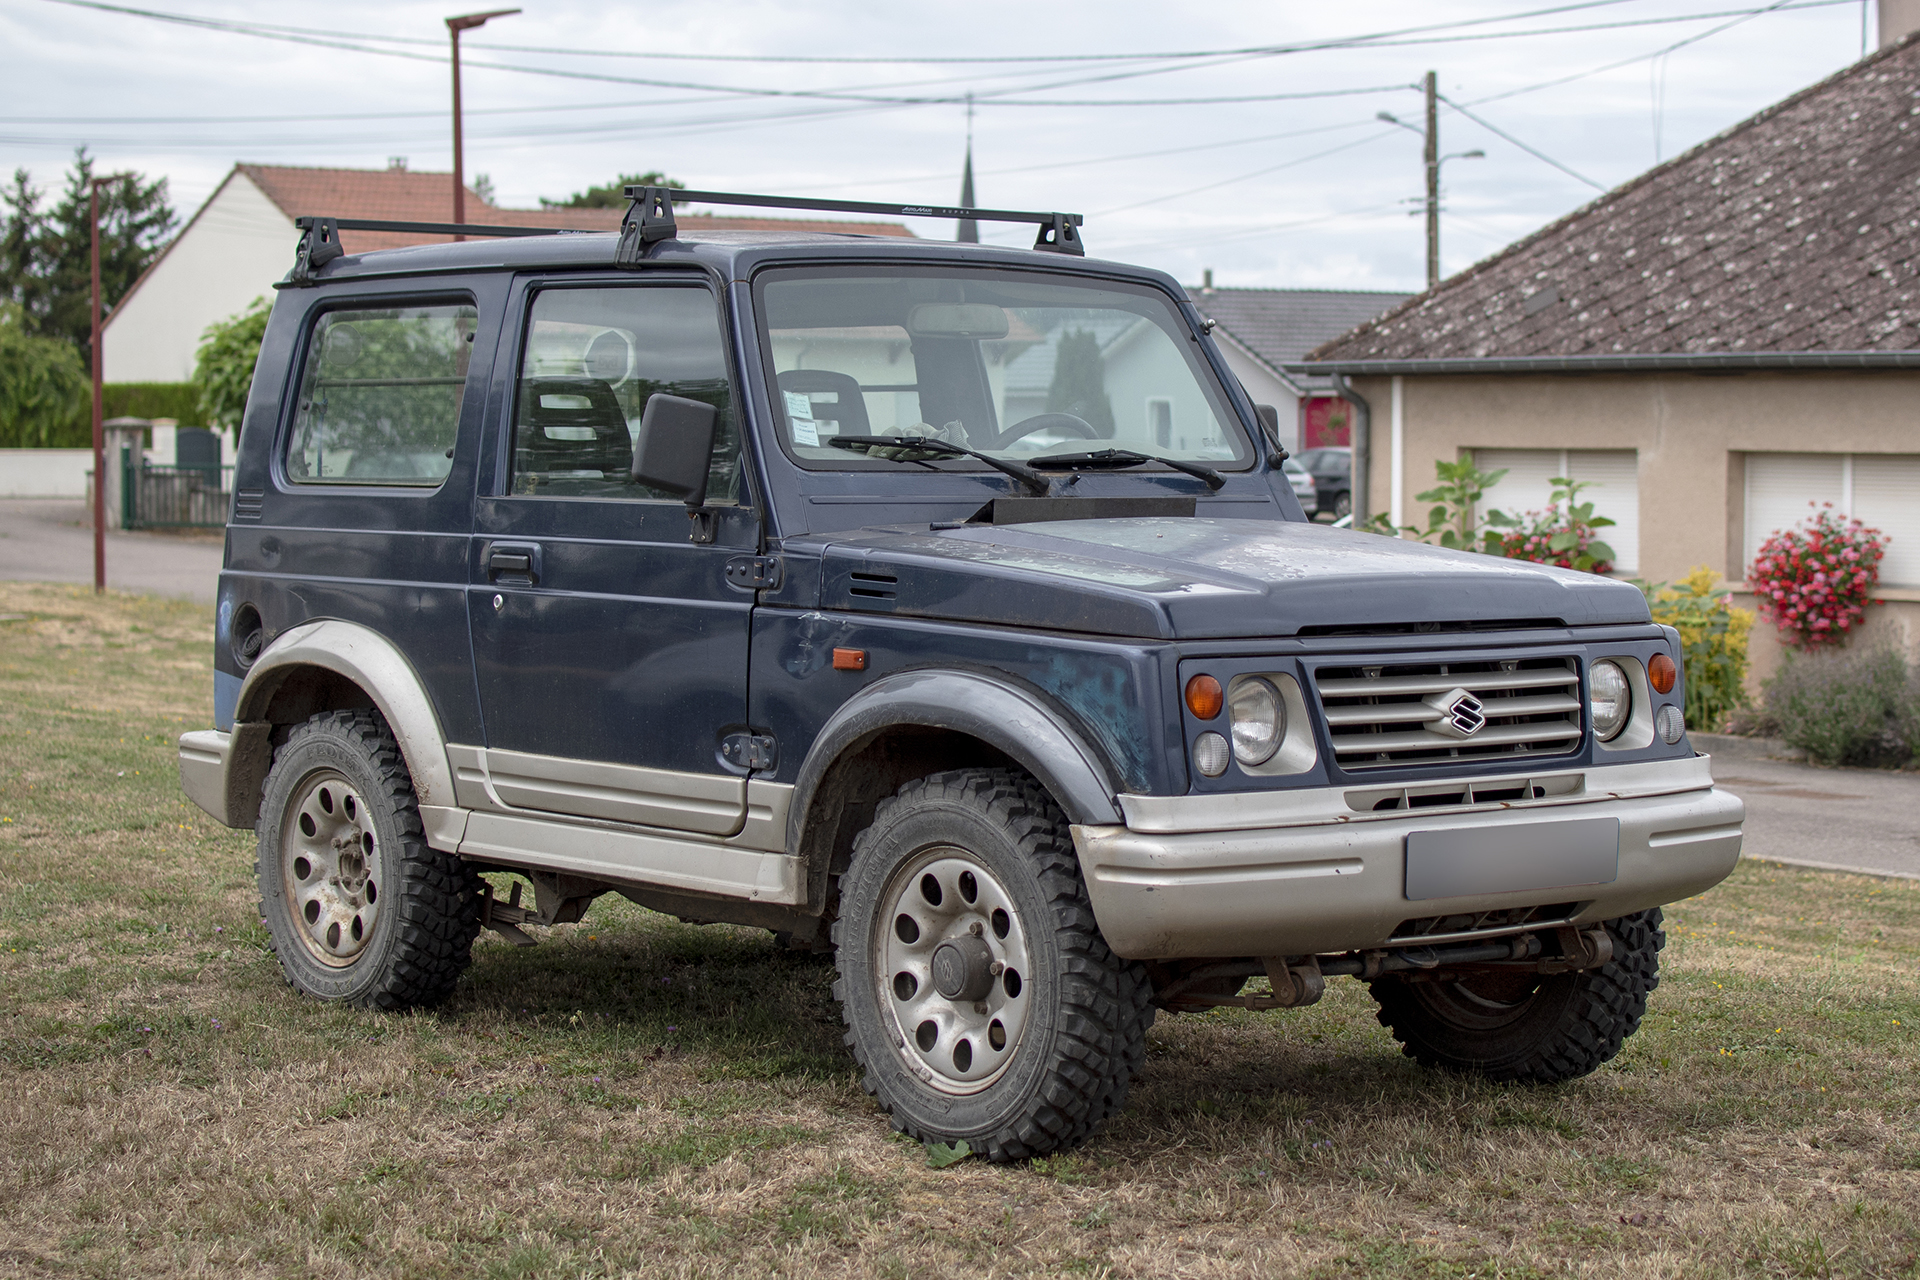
800	410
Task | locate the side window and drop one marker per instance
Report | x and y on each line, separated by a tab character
593	357
380	397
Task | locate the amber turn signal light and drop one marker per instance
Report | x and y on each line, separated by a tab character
1661	673
1205	697
849	659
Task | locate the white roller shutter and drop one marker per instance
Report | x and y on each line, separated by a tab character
1779	488
1886	496
1614	474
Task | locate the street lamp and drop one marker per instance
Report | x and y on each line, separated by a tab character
465	22
99	424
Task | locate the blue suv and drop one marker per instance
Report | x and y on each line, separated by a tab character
940	605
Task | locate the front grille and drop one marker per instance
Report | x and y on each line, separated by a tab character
1446	712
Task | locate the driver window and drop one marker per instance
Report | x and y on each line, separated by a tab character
593	357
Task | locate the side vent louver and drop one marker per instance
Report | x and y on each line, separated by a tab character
872	586
248	503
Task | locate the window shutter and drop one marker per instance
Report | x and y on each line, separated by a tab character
1779	488
1886	496
1615	476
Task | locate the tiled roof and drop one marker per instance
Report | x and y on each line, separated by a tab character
1282	325
1794	230
406	195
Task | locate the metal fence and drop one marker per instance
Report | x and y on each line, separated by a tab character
153	497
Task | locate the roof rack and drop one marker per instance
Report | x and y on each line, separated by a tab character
650	217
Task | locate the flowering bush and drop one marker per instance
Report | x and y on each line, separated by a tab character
1563	534
1815	581
1713	640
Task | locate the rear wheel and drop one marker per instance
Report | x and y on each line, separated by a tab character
978	995
1541	1029
359	907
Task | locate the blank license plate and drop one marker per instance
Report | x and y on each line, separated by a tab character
1512	859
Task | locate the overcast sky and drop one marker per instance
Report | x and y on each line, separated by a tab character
1300	191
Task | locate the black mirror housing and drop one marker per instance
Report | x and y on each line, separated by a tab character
675	445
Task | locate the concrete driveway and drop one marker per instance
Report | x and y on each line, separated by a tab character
51	540
1837	819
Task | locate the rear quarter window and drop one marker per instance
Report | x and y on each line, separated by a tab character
380	396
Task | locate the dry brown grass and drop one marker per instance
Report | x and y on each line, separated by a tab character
639	1097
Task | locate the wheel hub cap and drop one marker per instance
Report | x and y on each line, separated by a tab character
328	866
951	961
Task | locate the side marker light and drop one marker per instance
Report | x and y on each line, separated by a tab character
849	659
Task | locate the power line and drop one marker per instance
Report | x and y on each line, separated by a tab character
1536	153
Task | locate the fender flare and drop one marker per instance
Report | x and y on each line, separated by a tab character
1017	721
372	662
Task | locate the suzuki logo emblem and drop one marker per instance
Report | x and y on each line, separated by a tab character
1459	714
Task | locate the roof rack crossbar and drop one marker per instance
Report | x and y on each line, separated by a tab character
320	238
650	217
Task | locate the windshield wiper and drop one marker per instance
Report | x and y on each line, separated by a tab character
1033	480
1112	459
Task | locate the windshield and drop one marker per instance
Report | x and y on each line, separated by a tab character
1010	363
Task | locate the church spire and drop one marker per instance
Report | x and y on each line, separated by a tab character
969	229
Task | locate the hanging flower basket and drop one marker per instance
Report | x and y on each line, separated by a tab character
1815	581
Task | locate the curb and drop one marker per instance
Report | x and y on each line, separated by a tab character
1737	747
1810	865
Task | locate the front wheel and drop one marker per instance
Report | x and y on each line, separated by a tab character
359	907
1513	1025
979	997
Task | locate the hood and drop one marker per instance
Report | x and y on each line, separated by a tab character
1192	578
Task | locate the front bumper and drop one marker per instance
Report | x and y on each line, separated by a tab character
1326	877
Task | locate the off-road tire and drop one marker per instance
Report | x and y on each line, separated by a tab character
1567	1026
1083	1038
426	909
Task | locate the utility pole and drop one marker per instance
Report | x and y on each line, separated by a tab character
1432	158
99	417
465	22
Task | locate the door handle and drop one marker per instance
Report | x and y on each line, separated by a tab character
513	560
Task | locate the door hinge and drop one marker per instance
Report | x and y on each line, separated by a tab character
753	573
750	751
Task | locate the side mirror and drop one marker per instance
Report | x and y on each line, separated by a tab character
1270	419
675	446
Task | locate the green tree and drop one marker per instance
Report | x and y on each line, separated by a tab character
613	195
1079	384
43	385
223	366
45	267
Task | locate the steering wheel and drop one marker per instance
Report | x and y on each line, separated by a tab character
1047	422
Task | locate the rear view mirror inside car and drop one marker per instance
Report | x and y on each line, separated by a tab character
957	320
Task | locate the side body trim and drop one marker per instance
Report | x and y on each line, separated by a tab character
607	853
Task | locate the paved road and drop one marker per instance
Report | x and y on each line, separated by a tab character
51	540
1847	819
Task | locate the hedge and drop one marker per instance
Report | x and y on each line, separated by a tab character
177	400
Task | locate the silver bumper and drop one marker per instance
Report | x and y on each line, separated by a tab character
222	772
1326	877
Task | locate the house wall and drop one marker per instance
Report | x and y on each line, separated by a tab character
231	253
1264	386
1691	433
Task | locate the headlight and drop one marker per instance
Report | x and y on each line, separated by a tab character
1259	721
1609	699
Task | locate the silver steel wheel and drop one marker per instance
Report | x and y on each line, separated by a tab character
952	963
330	867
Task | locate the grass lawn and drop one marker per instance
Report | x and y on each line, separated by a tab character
636	1096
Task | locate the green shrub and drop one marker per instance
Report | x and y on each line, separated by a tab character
177	400
1713	638
1858	707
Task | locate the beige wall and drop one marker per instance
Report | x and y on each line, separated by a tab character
1691	433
